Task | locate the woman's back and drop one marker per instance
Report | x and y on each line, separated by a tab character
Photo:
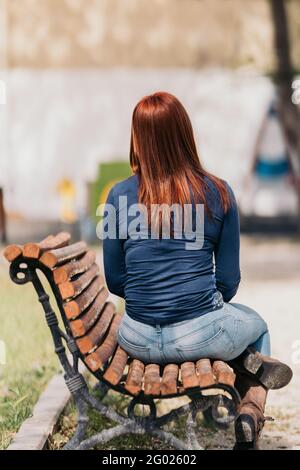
162	280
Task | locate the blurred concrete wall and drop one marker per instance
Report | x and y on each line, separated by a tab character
74	70
188	33
62	123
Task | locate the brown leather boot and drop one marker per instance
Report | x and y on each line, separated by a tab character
251	419
270	372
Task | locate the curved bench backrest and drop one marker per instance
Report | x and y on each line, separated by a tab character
93	323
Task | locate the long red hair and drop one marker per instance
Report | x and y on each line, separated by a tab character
163	153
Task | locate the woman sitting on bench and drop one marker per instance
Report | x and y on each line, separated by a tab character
178	289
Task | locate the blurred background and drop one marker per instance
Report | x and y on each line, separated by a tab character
71	72
74	69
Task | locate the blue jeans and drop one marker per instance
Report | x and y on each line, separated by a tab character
221	334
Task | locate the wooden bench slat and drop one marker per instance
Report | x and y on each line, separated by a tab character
54	257
34	250
152	379
169	379
12	252
114	372
189	377
74	307
80	326
134	381
98	358
224	374
65	272
96	334
205	373
71	289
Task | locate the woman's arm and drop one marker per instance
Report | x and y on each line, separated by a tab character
114	256
227	253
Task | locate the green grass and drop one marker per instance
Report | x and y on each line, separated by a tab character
30	361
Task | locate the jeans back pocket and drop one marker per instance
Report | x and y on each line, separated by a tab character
196	348
213	341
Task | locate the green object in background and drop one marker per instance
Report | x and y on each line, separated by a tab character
108	175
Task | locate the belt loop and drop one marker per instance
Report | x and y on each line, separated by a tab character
159	338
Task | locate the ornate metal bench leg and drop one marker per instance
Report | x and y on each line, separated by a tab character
134	424
83	399
76	384
152	424
104	436
125	425
191	426
198	404
82	422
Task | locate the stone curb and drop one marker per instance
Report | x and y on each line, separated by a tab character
34	432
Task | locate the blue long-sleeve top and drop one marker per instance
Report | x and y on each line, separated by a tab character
163	282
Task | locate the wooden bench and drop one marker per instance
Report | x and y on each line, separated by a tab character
90	327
